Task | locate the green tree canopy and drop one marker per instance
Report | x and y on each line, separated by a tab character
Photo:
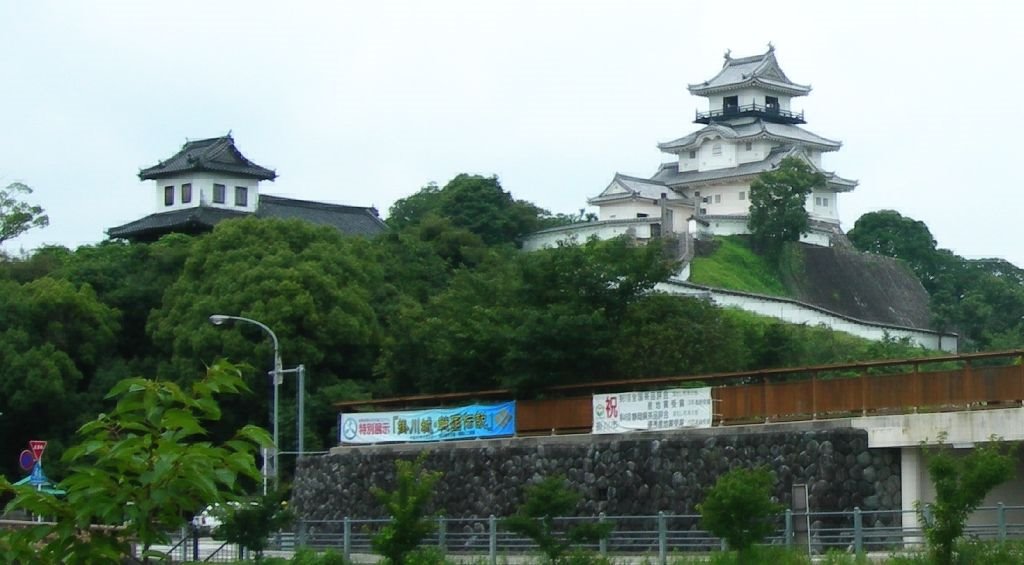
981	299
777	204
523	320
53	337
17	216
889	233
308	283
476	203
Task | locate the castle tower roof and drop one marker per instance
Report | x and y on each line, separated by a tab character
757	71
216	154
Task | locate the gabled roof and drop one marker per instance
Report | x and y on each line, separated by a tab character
624	187
757	71
350	220
755	129
669	173
217	154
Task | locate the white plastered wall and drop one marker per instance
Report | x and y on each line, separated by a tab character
202	191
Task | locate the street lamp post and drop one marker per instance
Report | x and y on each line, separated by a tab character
219	319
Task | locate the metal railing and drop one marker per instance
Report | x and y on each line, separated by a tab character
654	537
659	535
758	110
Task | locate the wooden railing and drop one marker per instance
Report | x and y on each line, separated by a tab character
956	382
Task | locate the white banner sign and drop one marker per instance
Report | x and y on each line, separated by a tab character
652	410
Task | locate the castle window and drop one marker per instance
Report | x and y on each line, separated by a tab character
241	196
693	154
716	150
218	194
821	201
186	193
749	146
743	195
168	196
718	199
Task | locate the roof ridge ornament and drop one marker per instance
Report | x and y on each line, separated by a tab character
728	55
771	47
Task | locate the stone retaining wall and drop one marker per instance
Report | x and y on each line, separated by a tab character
638	474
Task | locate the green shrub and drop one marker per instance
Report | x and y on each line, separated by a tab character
426	556
759	554
251	524
306	556
535	519
407	506
740	510
991	552
961	484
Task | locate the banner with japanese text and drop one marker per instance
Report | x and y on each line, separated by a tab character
652	410
436	424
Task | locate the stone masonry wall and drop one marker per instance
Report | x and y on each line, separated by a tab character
638	474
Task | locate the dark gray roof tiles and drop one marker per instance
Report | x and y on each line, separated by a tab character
669	174
350	220
759	70
188	220
639	187
755	129
217	154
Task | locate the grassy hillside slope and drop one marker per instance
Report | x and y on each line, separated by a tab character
860	285
733	265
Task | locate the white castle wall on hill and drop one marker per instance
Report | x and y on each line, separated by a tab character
796	312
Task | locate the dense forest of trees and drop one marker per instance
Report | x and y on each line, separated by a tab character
981	299
442	302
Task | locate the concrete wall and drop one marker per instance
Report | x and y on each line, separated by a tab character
639	228
963	430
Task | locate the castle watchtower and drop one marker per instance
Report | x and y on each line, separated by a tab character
750	87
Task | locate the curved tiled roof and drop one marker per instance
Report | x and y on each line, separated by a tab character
635	187
216	154
759	70
350	220
189	220
669	173
755	129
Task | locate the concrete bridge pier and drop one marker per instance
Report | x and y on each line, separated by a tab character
962	430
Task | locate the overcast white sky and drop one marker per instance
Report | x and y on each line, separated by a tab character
364	103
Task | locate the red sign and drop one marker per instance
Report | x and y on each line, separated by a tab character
37	447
